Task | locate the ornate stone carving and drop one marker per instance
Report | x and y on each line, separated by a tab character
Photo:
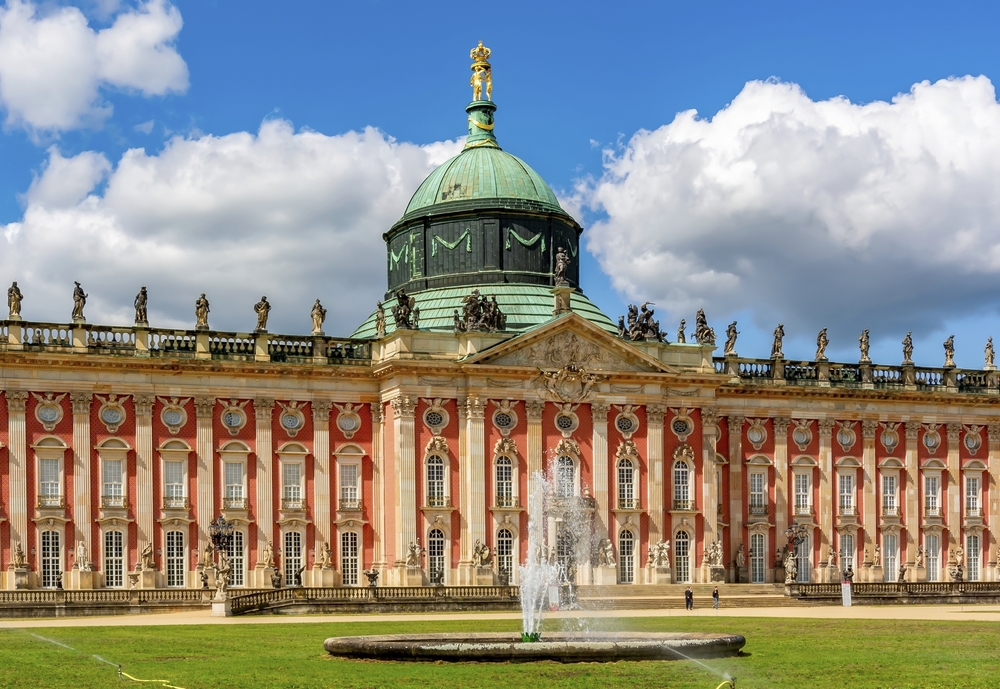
627	449
321	411
414	555
505	446
868	428
684	451
201	311
318	316
291	418
802	435
569	384
234	416
566	348
953	431
403	406
436	445
731	334
497	383
14	298
379	320
912	430
864	344
49	411
378	414
703	334
641	325
973	438
263	409
599	411
757	433
734	423
348	418
655	414
79	301
779	336
141	316
908	349
681	337
993	432
568	446
18	560
474	408
821	342
173	414
405	313
481	554
81	402
659	554
890	436
989	355
505	416
203	407
781	424
826	427
112	412
480	313
949	352
561	268
533	409
143	405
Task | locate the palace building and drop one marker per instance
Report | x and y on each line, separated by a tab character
411	447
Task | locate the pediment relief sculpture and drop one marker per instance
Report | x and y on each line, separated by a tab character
569	384
567	348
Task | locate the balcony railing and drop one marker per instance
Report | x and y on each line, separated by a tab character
350	505
847	511
437	501
890	510
684	505
932	511
176	502
234	503
51	500
803	510
506	501
293	504
629	504
114	502
758	510
973	511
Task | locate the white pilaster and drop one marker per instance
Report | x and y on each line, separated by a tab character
826	498
710	497
144	509
602	512
378	489
17	452
781	474
263	411
322	500
993	503
735	425
913	488
955	488
81	470
533	410
654	463
205	507
406	495
474	508
868	477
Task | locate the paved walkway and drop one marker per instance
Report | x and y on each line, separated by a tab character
990	613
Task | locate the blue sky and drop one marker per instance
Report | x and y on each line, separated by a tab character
574	83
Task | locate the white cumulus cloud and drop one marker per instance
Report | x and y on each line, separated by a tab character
293	215
819	214
53	65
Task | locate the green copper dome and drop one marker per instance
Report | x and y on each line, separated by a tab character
483	173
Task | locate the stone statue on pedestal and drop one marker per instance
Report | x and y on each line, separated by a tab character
741	556
562	265
877	558
414	555
14	298
141	317
606	553
268	556
908	348
681	337
731	334
990	355
201	312
949	352
821	342
18	559
779	335
325	559
79	301
262	309
702	333
919	562
379	319
481	556
147	557
864	345
318	315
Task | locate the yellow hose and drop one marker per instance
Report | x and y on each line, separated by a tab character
731	683
163	682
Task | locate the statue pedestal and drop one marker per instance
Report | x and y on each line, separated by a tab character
413	576
659	575
717	574
147	579
605	575
876	574
742	575
483	576
81	580
21	578
222	608
325	577
561	299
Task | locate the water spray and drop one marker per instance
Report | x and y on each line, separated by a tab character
162	682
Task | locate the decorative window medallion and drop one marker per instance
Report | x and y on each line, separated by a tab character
291	418
436	417
173	414
234	417
932	439
757	433
348	420
846	436
626	422
802	435
111	412
566	419
890	437
681	425
49	412
504	418
973	439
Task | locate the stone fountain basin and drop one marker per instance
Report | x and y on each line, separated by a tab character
565	647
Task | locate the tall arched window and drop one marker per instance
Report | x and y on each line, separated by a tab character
972	556
505	553
175	558
932	551
292	556
682	485
114	559
237	560
626	485
51	559
626	556
566	554
803	561
349	557
847	551
565	477
435	481
890	546
505	482
758	552
435	556
682	557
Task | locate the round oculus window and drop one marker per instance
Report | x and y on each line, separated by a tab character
434	418
972	441
801	436
756	435
232	419
889	440
565	422
625	424
290	421
680	426
930	440
111	415
172	417
347	422
48	413
845	438
503	420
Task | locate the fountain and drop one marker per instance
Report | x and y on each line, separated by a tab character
546	571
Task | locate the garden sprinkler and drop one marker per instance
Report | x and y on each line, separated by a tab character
731	683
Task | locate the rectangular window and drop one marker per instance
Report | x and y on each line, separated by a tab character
114	559
802	494
846	485
889	496
889	555
291	481
113	495
932	553
349	487
972	496
173	484
293	558
51	558
234	485
175	559
847	552
972	556
758	497
49	493
236	560
758	553
931	486
349	558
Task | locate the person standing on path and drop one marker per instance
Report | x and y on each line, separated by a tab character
715	598
689	599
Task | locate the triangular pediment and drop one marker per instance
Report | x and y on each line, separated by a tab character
570	340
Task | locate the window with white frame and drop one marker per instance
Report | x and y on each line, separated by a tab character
51	559
49	483
435	482
973	556
114	559
175	559
972	497
932	495
803	560
173	484
932	555
682	486
758	553
565	477
803	493
846	492
349	493
626	557
682	557
758	493
237	559
504	478
113	494
626	486
505	553
847	552
889	504
292	556
235	498
349	558
565	553
291	485
435	556
890	556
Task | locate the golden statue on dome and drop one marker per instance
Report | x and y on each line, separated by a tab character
482	75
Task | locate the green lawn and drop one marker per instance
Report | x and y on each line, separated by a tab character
779	653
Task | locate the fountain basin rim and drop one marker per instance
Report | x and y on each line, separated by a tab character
557	646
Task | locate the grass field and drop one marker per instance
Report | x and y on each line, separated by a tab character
779	653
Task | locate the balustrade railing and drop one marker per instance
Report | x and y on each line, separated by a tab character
176	503
171	342
39	335
506	501
293	504
235	503
283	347
758	510
51	501
110	337
114	502
354	505
684	505
240	344
628	504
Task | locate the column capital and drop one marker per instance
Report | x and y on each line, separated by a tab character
781	424
81	402
735	424
533	409
321	411
993	432
403	406
143	405
826	426
868	428
709	418
599	411
472	407
954	430
377	414
263	409
203	407
655	414
912	430
17	400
